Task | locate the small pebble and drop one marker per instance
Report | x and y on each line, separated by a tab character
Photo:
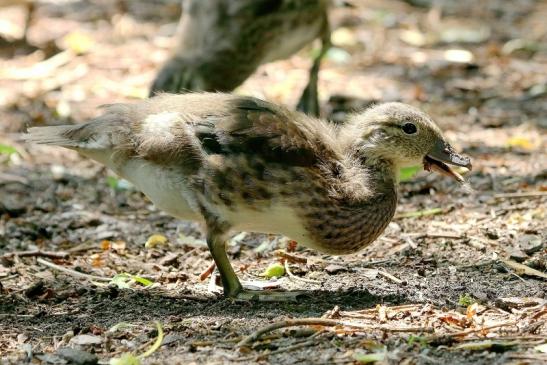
517	255
530	243
84	340
77	357
334	269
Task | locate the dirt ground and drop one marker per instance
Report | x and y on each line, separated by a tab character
459	277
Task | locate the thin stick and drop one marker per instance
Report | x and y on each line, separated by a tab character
388	276
292	276
420	213
37	253
444	235
292	258
469	331
9	178
394	308
72	272
291	348
321	322
435	235
204	275
310	341
531	194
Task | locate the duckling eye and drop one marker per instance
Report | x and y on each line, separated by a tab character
409	128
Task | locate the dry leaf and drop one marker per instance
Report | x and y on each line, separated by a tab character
382	314
96	260
78	42
105	245
472	310
521	142
453	320
291	246
118	246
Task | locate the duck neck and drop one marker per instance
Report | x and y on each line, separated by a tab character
364	204
380	173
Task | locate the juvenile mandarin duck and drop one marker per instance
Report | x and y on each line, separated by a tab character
238	163
220	43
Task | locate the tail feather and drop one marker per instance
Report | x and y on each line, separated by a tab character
62	135
99	140
104	132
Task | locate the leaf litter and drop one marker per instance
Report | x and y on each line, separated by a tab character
445	281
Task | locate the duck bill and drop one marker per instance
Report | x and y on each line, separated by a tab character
442	156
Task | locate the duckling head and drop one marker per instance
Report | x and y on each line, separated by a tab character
401	135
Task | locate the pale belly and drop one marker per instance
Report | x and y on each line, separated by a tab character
165	190
169	194
278	219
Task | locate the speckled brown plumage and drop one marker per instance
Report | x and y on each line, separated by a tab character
239	163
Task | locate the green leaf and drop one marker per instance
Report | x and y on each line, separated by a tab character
112	182
407	173
420	213
369	358
143	281
156	344
466	300
121	326
118	184
7	150
421	340
125	359
124	280
274	270
130	359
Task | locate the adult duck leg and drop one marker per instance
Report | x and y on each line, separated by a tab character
309	101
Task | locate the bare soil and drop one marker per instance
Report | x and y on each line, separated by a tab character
442	285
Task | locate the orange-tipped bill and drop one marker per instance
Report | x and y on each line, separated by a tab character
444	155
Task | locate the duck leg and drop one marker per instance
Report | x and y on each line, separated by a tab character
309	101
216	241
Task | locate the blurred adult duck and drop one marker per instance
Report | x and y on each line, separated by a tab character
220	43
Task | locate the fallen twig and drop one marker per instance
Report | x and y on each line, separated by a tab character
420	213
435	235
523	269
72	272
204	275
476	242
290	257
468	331
388	276
323	322
531	194
37	253
455	236
309	342
394	308
10	178
292	347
